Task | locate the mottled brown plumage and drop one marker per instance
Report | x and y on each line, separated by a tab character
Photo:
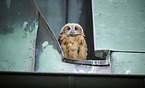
72	41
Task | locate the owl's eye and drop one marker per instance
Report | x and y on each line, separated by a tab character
76	28
68	28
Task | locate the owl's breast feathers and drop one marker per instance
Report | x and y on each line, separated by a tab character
73	46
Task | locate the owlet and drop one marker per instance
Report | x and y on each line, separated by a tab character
72	41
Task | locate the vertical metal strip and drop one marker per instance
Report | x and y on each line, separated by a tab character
34	42
93	25
38	23
38	18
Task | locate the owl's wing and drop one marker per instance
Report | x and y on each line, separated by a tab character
81	40
82	54
62	40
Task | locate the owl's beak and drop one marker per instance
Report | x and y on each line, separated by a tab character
72	32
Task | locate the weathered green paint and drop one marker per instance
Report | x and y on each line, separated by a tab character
18	26
119	24
128	63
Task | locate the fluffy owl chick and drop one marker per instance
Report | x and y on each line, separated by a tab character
72	41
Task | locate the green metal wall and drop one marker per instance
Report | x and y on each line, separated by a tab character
18	27
120	25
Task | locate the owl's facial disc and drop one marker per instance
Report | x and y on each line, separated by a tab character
73	30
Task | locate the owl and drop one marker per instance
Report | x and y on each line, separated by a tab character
72	41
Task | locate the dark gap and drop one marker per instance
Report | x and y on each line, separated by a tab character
85	20
90	35
89	31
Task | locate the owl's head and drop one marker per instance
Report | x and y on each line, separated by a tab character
72	29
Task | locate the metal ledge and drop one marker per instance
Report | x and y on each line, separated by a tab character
102	60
